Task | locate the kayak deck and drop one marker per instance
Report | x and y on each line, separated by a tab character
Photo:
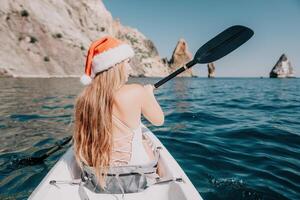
66	171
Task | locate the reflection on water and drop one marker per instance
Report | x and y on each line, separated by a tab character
235	138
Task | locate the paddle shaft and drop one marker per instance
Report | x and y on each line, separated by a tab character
178	71
56	148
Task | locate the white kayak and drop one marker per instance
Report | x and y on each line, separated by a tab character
66	172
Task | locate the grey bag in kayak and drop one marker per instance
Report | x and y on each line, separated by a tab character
122	179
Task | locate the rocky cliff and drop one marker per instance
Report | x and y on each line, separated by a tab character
211	70
147	61
282	69
180	56
46	38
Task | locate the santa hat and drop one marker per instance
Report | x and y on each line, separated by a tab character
104	54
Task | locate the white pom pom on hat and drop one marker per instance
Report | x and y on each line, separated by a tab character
103	54
85	79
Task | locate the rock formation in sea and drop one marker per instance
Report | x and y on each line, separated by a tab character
47	38
211	70
282	69
180	56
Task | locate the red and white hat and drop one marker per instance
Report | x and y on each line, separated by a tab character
104	54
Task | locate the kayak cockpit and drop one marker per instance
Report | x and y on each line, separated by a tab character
62	180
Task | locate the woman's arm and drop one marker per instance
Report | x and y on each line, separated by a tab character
150	107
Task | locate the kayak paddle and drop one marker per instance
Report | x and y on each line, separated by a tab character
216	48
45	153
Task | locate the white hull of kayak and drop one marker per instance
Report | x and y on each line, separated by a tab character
66	170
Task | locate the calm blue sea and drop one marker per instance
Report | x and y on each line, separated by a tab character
236	138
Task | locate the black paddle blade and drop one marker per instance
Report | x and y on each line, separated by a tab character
224	43
41	155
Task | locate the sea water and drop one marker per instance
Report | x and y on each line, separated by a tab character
236	138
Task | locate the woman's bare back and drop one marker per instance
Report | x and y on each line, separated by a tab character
130	102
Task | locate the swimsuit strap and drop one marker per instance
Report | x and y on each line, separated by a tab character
122	149
122	137
116	119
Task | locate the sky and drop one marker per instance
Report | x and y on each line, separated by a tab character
276	26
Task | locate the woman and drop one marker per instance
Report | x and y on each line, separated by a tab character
108	111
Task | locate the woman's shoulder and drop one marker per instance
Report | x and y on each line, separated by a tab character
130	90
134	87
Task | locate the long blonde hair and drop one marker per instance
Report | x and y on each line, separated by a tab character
93	120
